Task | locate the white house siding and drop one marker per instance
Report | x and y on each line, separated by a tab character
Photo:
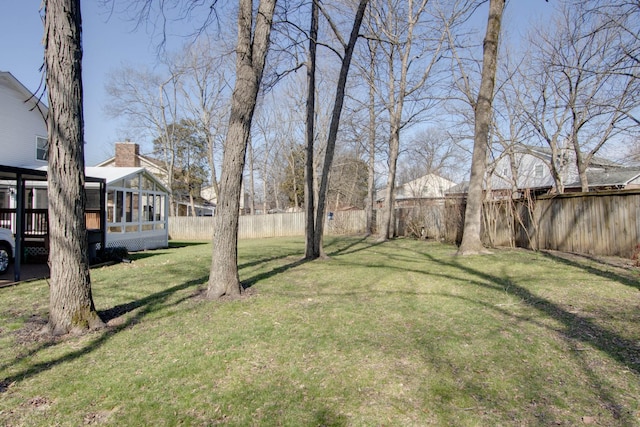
527	173
20	124
427	186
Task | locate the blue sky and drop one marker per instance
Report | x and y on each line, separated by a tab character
109	42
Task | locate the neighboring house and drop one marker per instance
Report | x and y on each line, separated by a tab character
428	187
128	155
132	201
137	206
533	173
23	148
610	178
209	194
23	130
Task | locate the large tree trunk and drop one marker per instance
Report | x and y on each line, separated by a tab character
318	250
309	199
471	240
71	306
581	164
251	56
387	226
371	190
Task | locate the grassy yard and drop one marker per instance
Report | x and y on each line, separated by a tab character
395	334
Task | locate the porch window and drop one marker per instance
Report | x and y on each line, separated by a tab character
4	199
119	205
42	149
129	208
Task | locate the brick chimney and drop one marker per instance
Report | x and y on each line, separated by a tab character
127	155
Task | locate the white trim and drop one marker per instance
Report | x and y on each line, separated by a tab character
152	239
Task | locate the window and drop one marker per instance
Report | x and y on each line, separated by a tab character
41	198
538	170
42	148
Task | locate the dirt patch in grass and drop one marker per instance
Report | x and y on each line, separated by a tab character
31	332
201	294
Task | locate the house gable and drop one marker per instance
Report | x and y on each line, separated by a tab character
427	186
21	123
128	155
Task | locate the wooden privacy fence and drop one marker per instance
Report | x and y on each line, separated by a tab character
597	223
591	223
602	223
260	226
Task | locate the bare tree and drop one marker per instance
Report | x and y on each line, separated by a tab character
632	154
71	307
412	39
348	181
266	150
314	247
366	107
623	17
277	133
189	161
150	103
471	239
205	91
582	92
251	53
252	182
371	137
431	150
293	183
309	171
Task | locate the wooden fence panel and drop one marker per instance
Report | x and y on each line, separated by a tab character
603	223
262	226
190	228
428	220
275	225
346	222
590	223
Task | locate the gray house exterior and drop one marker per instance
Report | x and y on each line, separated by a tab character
533	172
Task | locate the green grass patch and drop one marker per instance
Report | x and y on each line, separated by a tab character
402	333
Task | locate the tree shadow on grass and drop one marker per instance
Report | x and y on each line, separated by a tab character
259	261
179	244
247	283
148	301
137	256
585	262
577	329
145	306
347	249
364	243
